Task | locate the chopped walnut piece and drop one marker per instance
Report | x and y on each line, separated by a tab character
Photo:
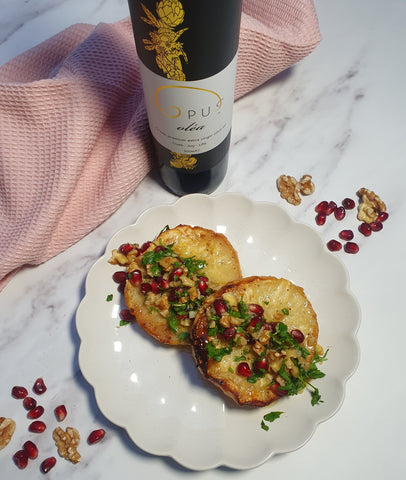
118	258
370	205
7	428
67	443
306	185
289	189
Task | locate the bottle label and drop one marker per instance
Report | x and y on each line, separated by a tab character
190	117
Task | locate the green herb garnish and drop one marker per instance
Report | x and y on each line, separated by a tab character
269	417
109	297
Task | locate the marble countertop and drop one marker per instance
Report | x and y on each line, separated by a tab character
338	115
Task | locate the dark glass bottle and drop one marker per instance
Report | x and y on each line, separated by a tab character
188	57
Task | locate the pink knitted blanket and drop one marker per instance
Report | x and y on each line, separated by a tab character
74	139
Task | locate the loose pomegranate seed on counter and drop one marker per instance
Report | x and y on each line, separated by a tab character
339	213
95	436
37	426
21	459
35	412
346	235
29	403
244	370
126	248
365	229
30	449
19	392
351	247
330	208
348	203
47	464
39	386
320	219
321	207
334	245
376	226
120	276
382	216
60	412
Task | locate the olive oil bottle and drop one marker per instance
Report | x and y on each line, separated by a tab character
188	56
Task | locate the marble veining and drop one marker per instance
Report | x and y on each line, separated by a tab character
338	115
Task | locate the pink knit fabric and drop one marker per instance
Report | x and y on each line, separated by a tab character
74	138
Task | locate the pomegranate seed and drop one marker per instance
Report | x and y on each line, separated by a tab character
321	207
244	370
297	335
120	277
164	283
95	436
21	459
60	412
376	226
30	449
330	208
145	288
47	464
35	412
365	229
202	286
19	392
144	247
175	294
126	248
126	315
220	306
135	277
155	286
29	403
348	203
37	426
159	248
346	234
260	365
382	216
39	386
320	219
278	391
255	320
229	333
175	274
334	245
351	247
339	213
256	309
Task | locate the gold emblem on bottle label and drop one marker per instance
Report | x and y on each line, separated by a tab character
164	39
180	160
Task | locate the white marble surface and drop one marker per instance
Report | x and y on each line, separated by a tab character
339	115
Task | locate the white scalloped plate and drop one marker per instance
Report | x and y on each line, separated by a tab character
156	393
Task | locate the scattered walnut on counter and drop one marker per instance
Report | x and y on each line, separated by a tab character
290	189
67	443
7	428
370	205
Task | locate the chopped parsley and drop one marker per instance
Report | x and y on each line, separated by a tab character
269	417
109	297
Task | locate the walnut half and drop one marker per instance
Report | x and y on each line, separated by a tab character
67	443
7	428
370	205
290	189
